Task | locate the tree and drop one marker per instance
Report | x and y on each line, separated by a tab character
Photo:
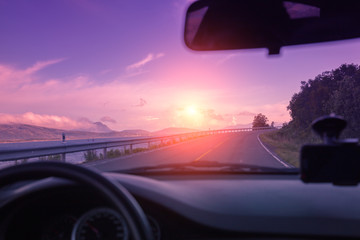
336	91
345	101
260	120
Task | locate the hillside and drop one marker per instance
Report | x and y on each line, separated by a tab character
134	132
172	131
24	133
249	125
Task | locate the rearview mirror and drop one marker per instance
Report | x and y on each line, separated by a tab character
271	24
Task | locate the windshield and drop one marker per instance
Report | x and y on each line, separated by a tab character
111	84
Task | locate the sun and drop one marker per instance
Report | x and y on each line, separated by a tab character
191	111
190	116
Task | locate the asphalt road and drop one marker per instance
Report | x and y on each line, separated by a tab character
242	147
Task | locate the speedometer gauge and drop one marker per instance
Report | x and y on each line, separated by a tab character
100	223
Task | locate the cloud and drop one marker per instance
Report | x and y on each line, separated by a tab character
150	57
141	103
274	112
45	120
11	77
246	113
42	64
159	55
151	118
134	73
210	113
105	71
108	119
199	118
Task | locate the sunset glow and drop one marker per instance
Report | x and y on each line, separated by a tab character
193	117
93	66
191	111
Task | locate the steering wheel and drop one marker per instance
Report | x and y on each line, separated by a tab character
119	198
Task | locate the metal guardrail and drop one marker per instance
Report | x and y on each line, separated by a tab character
26	153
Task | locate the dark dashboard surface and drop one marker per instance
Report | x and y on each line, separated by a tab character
193	206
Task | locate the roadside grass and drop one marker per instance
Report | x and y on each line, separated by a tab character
92	155
56	157
287	149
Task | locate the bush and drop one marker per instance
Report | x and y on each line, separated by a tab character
113	153
91	155
56	157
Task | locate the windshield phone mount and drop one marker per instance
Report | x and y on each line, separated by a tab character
334	161
329	128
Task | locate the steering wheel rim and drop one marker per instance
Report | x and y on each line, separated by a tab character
120	199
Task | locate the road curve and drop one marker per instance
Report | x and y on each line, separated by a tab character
242	147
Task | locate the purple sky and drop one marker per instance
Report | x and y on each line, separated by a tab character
67	63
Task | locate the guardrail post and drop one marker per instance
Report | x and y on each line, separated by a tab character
104	152
63	157
123	151
131	148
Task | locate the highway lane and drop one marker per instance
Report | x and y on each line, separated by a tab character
243	147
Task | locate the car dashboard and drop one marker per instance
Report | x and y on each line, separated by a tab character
190	206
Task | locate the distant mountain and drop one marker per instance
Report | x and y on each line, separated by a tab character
134	132
248	125
97	127
24	133
172	131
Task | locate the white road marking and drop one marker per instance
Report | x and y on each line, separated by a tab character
276	158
